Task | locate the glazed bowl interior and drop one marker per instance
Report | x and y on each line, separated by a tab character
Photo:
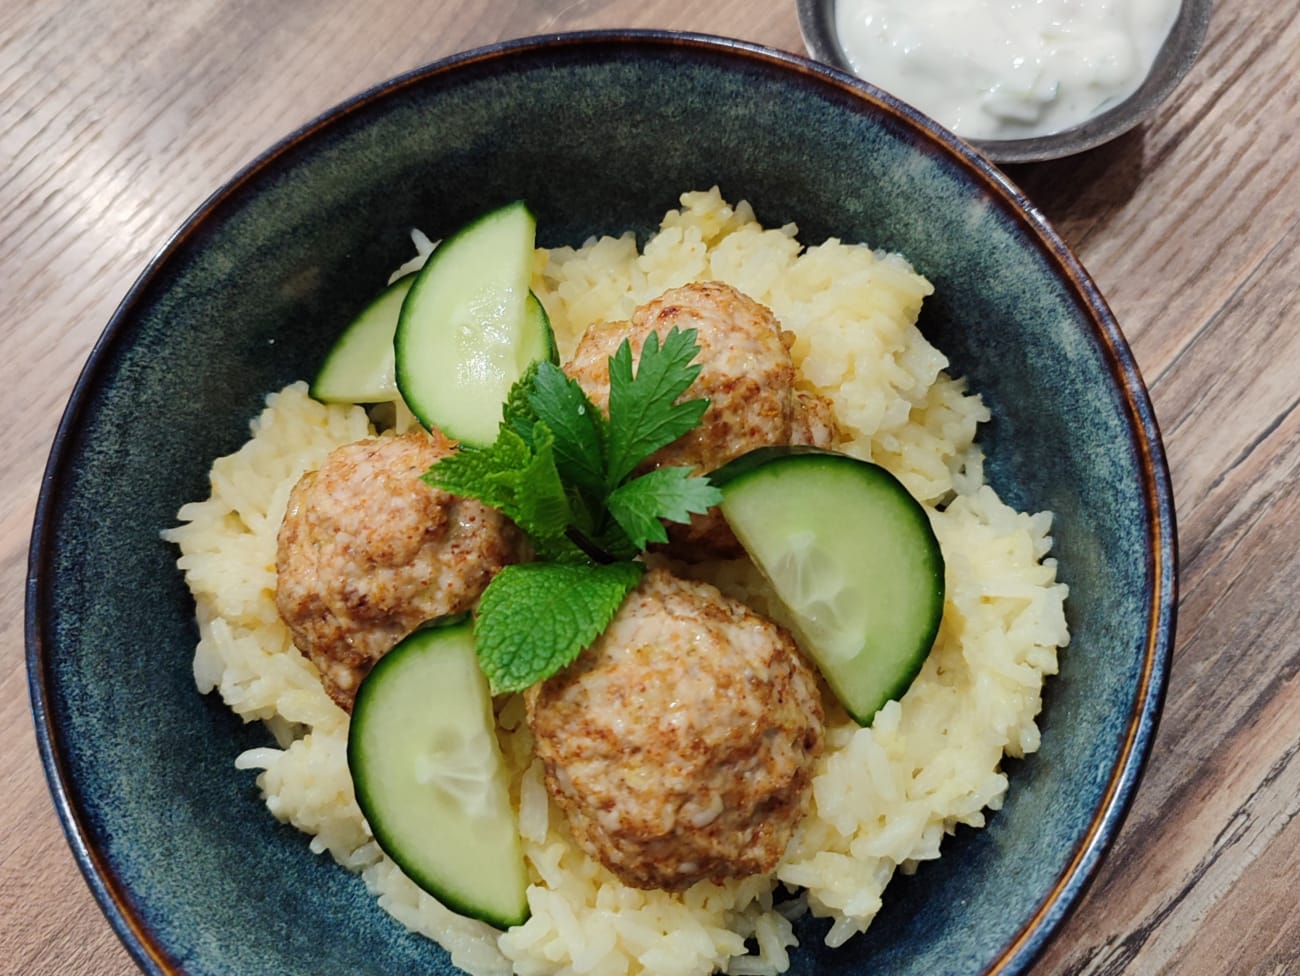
598	133
1173	61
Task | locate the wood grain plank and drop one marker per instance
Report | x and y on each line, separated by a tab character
1264	938
1224	779
1200	850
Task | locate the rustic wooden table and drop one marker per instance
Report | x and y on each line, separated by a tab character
117	118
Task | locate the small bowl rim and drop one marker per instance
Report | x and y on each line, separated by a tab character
1133	754
1172	63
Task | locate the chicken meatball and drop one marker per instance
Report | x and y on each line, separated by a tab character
367	552
680	744
747	375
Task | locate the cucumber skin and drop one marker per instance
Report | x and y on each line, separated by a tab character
757	463
534	309
459	626
413	377
738	468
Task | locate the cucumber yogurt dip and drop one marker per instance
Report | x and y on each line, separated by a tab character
745	728
1005	69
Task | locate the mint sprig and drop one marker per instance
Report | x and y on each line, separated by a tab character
564	473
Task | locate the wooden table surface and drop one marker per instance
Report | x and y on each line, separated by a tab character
118	117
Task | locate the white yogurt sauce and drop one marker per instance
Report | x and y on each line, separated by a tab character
1005	69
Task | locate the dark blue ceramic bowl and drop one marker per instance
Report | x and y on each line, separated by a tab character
599	133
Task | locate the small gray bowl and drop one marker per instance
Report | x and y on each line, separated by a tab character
600	133
1173	61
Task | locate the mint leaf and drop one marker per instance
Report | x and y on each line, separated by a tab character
535	618
520	481
644	414
483	473
540	503
640	505
580	429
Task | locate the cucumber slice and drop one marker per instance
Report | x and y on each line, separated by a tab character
464	336
853	558
360	368
430	779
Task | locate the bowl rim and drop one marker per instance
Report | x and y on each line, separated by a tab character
1174	59
1019	955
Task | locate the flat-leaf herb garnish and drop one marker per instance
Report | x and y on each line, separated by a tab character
535	618
566	475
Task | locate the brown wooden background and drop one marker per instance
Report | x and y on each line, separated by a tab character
118	117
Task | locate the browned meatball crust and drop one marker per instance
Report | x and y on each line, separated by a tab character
746	373
367	552
680	744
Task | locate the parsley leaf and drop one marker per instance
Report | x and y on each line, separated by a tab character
640	505
580	428
644	414
518	646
